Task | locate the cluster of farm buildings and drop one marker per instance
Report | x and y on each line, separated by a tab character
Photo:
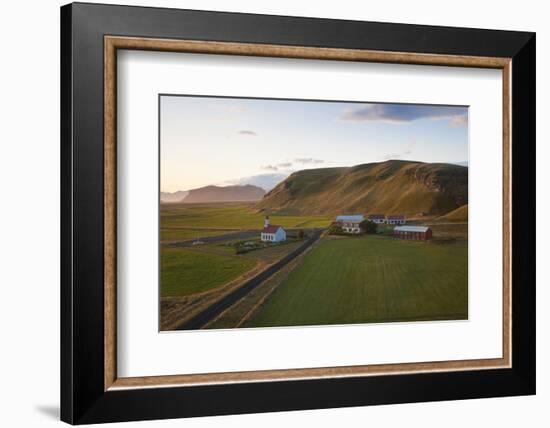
352	224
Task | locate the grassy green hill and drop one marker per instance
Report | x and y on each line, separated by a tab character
394	186
460	214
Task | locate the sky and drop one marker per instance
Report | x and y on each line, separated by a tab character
222	141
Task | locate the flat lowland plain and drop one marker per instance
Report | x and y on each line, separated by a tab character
187	271
201	268
189	221
371	279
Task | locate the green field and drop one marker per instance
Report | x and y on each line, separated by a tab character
178	221
273	253
185	271
179	233
450	230
371	279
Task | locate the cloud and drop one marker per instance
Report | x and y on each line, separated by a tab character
247	132
266	181
407	150
389	156
308	161
459	121
287	166
284	164
402	113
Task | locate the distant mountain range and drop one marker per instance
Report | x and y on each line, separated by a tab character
170	197
265	181
209	194
391	187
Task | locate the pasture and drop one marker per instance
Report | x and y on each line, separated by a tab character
371	279
185	233
450	230
273	253
187	221
186	271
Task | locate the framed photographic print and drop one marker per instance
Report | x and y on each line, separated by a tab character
265	213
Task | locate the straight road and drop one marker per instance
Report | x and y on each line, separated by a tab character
204	317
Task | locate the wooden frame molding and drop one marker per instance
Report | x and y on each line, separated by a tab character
113	43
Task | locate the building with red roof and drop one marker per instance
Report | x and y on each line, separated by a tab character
416	233
272	232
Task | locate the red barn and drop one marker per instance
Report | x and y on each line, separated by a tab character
416	233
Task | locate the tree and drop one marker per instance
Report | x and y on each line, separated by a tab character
368	226
335	229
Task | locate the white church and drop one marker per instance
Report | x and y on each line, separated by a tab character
272	232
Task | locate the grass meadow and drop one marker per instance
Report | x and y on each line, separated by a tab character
186	271
371	279
187	221
342	280
184	233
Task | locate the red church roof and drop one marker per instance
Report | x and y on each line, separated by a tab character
272	228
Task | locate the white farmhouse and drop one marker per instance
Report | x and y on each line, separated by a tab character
396	219
350	223
377	218
272	232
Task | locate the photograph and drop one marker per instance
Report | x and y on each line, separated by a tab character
287	212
